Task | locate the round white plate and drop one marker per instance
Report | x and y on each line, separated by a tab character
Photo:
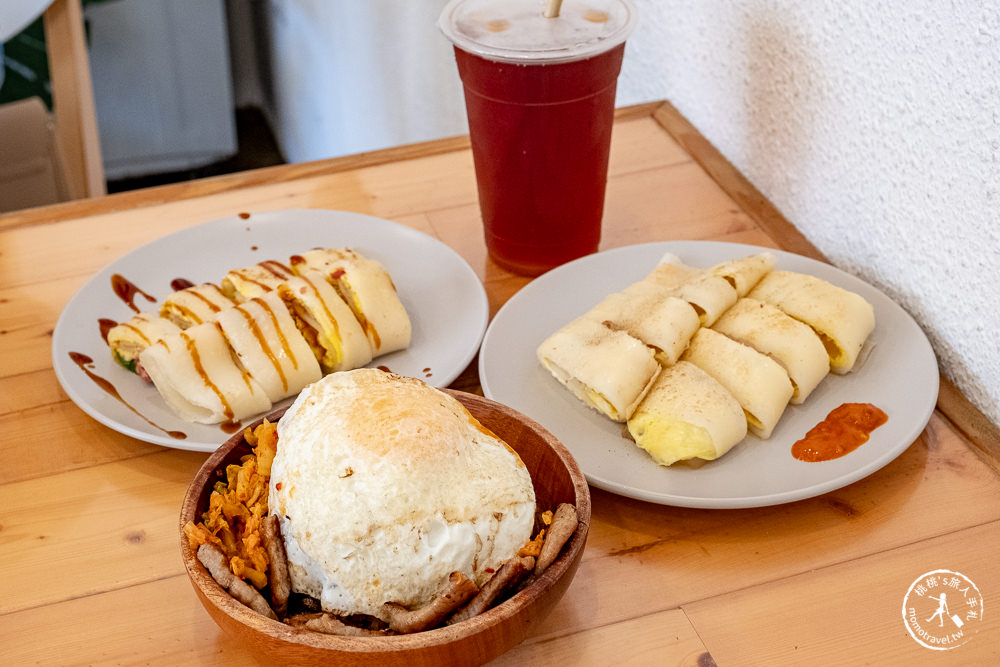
445	300
900	376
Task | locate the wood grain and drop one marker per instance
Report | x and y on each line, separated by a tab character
88	517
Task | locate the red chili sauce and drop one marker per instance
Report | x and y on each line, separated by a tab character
845	429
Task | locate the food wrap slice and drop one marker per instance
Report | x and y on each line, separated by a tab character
200	379
253	281
743	274
710	295
667	276
791	343
665	324
269	345
196	304
128	339
759	383
686	415
327	323
608	370
843	319
367	288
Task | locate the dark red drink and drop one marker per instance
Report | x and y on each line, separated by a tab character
540	139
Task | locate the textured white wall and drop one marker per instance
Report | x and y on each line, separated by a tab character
874	126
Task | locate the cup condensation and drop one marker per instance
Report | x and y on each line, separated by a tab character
540	96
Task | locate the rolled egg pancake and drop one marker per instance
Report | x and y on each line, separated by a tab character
842	319
253	281
743	274
666	324
709	294
669	274
326	322
200	379
608	370
270	346
128	339
196	304
791	343
367	288
759	383
686	415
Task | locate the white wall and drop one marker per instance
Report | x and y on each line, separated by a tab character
874	126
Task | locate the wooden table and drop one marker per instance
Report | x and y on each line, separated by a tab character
88	517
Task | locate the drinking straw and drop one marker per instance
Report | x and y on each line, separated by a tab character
552	9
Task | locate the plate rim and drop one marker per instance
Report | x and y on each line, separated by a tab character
478	318
740	502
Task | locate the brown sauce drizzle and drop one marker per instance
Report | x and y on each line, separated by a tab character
262	341
326	311
127	291
200	369
178	284
106	326
276	268
84	363
384	369
845	429
244	216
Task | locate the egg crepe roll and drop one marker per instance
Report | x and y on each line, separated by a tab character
253	281
687	414
200	379
744	273
194	305
608	370
269	345
665	324
759	383
128	339
669	274
791	343
327	323
842	319
368	289
709	294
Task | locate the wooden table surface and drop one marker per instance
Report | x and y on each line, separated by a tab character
88	517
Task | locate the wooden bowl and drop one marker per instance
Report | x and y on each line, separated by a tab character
556	478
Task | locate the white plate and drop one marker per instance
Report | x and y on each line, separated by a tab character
900	376
443	296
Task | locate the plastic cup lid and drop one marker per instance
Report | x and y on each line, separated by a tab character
517	31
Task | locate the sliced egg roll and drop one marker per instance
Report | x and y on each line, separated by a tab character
687	414
327	323
709	294
759	383
791	343
269	345
368	289
194	305
608	370
744	273
199	377
128	339
843	319
665	324
669	274
253	281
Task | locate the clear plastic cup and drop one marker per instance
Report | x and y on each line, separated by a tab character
540	98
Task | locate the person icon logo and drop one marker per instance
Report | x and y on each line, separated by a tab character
928	599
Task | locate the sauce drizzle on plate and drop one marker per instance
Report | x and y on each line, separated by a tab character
845	429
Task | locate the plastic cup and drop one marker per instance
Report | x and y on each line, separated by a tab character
540	98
